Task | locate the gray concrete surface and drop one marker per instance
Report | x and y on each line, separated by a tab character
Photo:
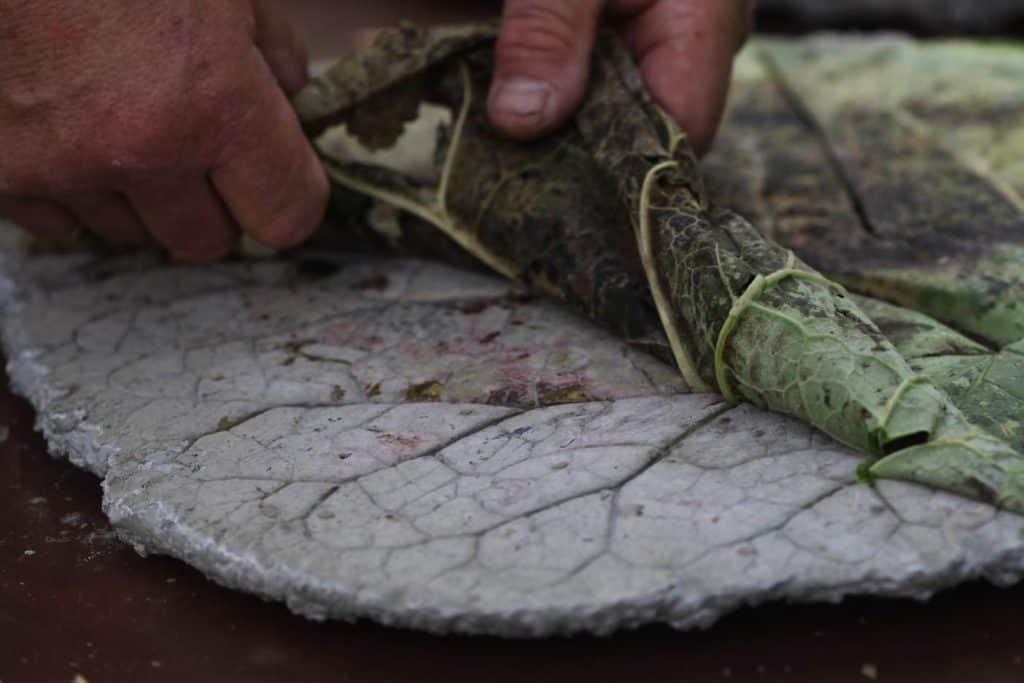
422	446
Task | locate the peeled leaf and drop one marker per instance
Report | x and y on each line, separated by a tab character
542	213
988	386
915	335
895	209
692	282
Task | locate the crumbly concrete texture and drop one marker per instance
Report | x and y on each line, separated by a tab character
425	447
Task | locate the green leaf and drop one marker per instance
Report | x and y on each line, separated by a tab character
941	207
692	282
822	149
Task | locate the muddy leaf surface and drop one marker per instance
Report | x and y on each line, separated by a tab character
696	283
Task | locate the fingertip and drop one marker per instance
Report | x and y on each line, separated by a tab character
541	60
277	190
301	222
701	127
290	229
685	51
522	108
299	218
691	88
186	217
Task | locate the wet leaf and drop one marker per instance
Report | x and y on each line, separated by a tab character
611	215
868	159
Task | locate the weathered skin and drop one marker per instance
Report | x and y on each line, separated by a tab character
740	313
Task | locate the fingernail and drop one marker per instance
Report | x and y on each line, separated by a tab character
522	98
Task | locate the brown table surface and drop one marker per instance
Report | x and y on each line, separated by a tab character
75	601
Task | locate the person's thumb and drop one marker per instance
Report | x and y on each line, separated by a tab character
541	64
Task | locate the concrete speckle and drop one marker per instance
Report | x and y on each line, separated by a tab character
374	476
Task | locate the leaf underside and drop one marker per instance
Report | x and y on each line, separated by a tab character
870	194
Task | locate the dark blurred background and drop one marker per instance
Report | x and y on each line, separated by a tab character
920	17
333	27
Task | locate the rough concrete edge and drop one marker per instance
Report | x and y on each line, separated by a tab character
68	435
73	437
672	606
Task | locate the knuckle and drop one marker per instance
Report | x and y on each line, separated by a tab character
541	31
125	149
163	133
130	147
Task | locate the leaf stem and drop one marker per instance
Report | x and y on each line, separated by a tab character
668	319
755	289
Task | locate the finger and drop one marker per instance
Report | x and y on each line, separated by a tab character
268	174
44	219
188	218
541	63
685	50
111	217
282	50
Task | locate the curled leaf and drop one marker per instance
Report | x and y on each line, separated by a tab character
611	215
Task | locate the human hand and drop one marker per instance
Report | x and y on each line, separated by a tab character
164	121
684	49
